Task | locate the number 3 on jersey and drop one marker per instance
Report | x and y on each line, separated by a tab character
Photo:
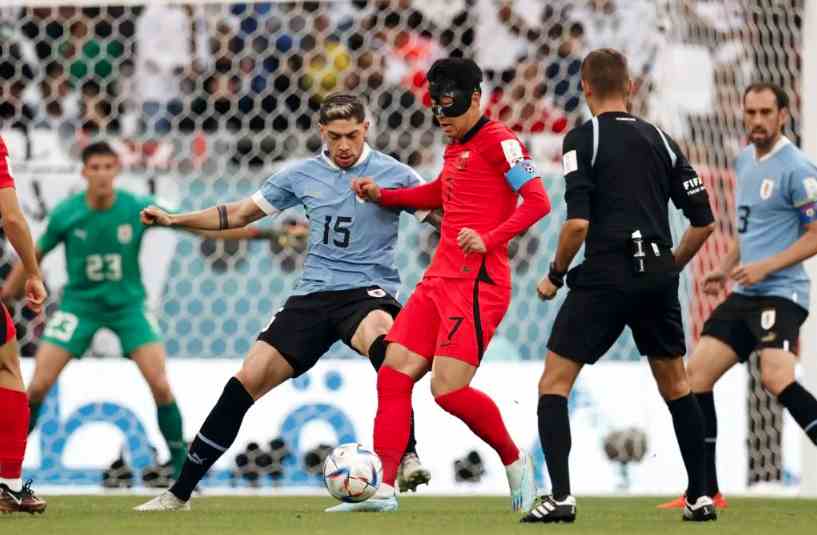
743	218
100	268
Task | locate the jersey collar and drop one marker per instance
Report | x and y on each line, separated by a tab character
782	142
474	129
364	155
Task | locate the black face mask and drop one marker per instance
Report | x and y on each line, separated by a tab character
461	100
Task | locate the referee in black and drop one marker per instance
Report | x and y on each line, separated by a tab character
620	173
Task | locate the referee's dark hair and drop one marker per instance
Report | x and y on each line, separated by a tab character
605	70
780	96
100	148
342	106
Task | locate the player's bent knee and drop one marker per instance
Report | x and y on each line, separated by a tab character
376	323
263	369
776	380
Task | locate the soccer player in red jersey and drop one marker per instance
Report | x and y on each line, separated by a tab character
14	495
454	311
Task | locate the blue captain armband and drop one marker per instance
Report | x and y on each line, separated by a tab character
521	173
808	213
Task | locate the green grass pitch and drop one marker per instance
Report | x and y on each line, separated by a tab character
111	515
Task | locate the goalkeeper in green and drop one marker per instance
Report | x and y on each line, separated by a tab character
102	233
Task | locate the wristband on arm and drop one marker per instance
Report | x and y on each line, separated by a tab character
556	277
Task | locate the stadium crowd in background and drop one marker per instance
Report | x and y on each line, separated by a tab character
262	69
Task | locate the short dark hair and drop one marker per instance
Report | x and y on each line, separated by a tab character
464	72
100	148
340	106
780	95
606	71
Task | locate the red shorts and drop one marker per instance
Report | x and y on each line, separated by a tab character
7	330
451	318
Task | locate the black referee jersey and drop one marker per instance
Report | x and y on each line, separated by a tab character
621	172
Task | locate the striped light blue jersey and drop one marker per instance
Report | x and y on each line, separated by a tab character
351	242
775	197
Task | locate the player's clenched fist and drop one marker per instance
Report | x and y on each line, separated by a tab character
470	241
35	294
366	189
546	289
153	215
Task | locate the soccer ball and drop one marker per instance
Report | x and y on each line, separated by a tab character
352	473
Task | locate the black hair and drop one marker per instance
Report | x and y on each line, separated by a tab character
780	95
464	72
100	148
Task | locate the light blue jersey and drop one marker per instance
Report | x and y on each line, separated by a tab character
775	197
351	242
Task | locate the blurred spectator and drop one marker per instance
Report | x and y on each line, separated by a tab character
524	105
631	27
15	75
60	100
91	56
164	51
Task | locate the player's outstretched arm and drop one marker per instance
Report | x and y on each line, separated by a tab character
424	197
16	228
802	249
224	216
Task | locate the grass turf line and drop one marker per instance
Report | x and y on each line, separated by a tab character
111	515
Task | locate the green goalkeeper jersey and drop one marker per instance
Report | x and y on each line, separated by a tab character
101	251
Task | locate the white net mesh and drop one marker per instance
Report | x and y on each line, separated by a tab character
213	98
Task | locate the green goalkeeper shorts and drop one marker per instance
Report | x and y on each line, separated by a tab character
73	331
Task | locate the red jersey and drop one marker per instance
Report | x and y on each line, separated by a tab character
6	180
479	188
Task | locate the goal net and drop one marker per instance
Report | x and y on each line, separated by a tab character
205	101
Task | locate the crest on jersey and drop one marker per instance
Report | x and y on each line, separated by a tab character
766	188
124	233
462	161
767	319
377	292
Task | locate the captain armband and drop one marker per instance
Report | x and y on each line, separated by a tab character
808	213
521	173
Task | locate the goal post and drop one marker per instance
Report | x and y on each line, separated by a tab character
808	93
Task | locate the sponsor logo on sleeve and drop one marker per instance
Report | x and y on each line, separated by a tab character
810	185
570	162
693	186
512	150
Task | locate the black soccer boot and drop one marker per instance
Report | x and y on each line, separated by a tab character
548	510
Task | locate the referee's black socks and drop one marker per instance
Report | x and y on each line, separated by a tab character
214	438
707	403
554	432
689	430
377	354
802	406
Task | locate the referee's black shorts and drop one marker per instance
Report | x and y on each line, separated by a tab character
592	318
307	326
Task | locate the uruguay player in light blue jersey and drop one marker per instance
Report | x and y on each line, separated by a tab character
347	290
776	223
